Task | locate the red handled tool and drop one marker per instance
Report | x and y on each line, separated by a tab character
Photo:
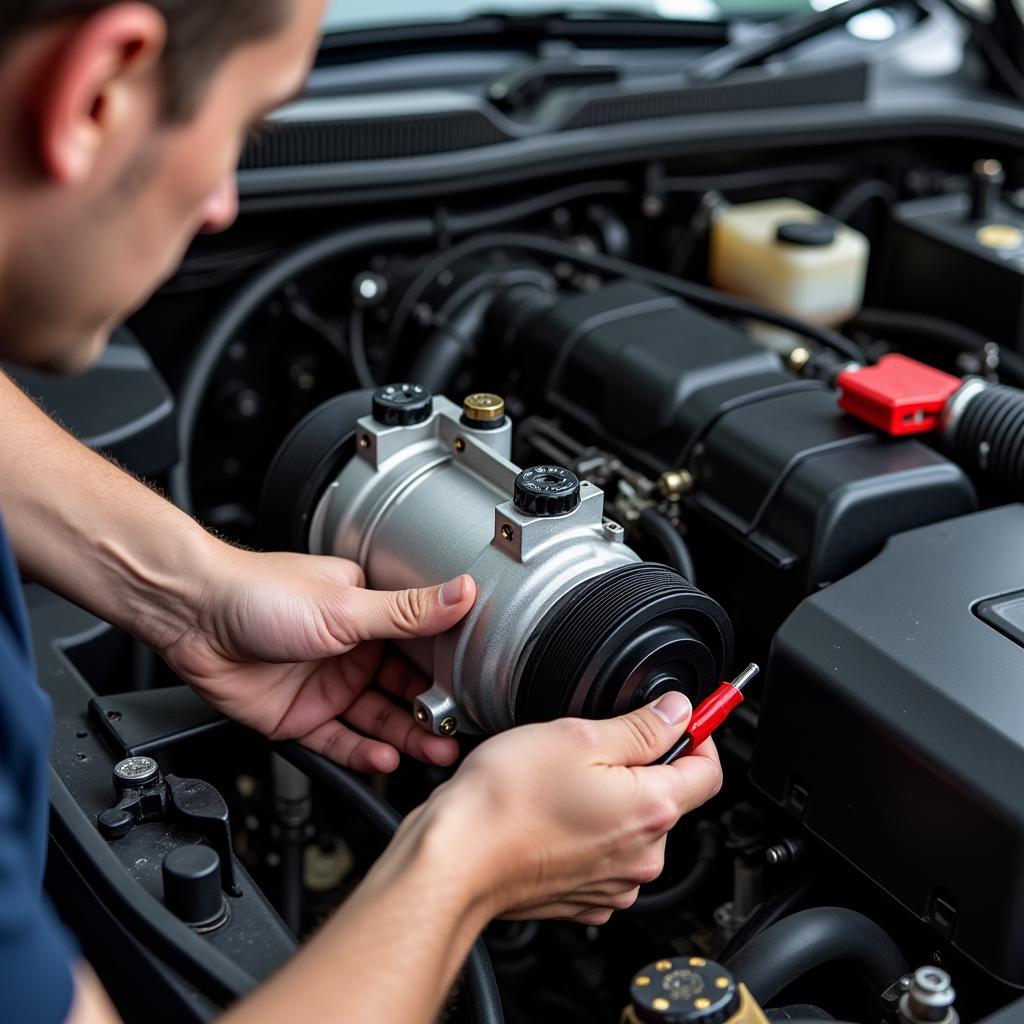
710	714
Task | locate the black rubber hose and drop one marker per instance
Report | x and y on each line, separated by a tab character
709	847
481	985
784	953
989	436
456	339
775	908
659	529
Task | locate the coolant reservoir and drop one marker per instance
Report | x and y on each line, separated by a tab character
790	257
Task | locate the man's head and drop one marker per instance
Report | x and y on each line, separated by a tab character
120	128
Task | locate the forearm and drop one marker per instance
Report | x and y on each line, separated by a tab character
393	951
84	528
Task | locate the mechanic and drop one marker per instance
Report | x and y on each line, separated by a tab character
120	128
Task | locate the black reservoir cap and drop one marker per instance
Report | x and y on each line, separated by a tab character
402	405
684	990
812	234
547	491
192	885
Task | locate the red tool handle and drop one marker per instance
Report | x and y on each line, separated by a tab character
710	714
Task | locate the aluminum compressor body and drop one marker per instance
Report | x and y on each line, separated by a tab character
568	620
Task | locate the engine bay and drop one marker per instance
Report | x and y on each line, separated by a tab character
786	382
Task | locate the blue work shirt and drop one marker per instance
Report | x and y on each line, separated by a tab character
36	985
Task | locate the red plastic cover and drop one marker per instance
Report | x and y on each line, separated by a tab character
898	395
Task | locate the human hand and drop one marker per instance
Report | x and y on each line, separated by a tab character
567	819
289	644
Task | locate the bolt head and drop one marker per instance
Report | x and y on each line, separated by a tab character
421	716
448	726
136	770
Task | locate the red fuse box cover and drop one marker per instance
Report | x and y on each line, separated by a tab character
898	395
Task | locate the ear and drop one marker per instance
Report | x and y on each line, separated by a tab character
101	82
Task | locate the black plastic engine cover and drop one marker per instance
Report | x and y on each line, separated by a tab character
893	725
790	492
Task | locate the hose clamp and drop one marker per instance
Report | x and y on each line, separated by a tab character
957	405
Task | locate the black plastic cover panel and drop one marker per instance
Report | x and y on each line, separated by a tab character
893	725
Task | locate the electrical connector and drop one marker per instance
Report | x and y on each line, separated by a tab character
898	395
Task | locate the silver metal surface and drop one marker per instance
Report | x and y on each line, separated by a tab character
929	998
956	406
421	505
748	675
136	770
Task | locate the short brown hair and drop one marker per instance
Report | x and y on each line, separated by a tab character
200	35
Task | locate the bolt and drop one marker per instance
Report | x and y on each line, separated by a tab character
786	852
930	997
369	289
460	445
448	726
422	716
364	441
613	532
508	534
798	358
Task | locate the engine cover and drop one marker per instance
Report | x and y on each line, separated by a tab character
893	725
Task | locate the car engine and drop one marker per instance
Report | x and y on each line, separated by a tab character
675	414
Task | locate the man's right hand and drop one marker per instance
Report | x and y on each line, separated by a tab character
567	819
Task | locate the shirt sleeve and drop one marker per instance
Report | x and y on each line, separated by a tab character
35	959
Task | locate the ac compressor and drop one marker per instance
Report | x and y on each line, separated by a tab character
568	619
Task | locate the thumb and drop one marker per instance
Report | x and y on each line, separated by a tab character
643	735
403	614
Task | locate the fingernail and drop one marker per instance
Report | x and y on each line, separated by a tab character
673	708
451	593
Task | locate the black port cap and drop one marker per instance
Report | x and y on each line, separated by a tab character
192	886
547	491
814	234
684	990
402	405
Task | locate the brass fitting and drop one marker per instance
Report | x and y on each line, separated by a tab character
675	483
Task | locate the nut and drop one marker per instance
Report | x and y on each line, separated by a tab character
675	483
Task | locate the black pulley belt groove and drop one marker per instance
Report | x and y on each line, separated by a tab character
576	644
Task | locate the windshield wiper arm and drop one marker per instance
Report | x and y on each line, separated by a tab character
525	85
786	34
